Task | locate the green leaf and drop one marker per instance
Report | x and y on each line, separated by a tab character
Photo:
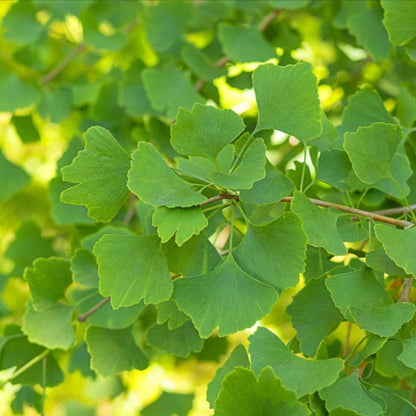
16	94
84	268
238	357
357	289
27	246
233	300
279	248
181	222
296	373
334	168
51	327
374	343
399	246
131	269
13	178
399	19
406	104
105	317
244	43
204	130
378	260
168	311
170	404
16	351
115	343
387	363
364	108
25	128
48	280
168	88
26	397
371	150
196	257
180	341
348	393
313	315
151	179
101	173
408	354
89	241
242	393
250	169
366	26
195	167
384	321
56	106
272	188
319	224
282	92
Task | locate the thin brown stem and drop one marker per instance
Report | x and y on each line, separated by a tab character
83	317
396	211
268	19
62	64
406	289
218	198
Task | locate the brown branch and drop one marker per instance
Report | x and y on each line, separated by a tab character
83	317
268	19
406	289
396	211
62	64
218	198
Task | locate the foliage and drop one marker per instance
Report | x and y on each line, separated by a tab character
220	206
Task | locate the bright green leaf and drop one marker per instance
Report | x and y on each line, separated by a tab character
319	224
118	344
131	269
168	311
283	92
242	393
151	179
408	354
387	363
400	246
279	249
233	300
204	130
399	19
84	268
296	373
348	393
13	178
169	404
378	260
181	222
371	150
101	173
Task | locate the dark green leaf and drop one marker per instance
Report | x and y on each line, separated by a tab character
13	178
170	404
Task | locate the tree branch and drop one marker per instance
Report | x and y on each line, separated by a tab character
406	289
83	317
396	211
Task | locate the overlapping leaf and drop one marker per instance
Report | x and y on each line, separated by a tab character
101	173
14	178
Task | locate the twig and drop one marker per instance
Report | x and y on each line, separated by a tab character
83	318
218	198
406	289
268	19
397	210
62	64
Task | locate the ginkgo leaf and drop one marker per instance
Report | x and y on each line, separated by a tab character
232	299
131	269
287	98
151	179
204	130
101	173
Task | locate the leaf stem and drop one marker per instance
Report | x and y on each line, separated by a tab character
302	178
406	290
29	364
83	317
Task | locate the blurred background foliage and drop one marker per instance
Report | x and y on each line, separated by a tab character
68	65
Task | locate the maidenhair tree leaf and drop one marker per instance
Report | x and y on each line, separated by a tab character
84	269
48	280
408	354
296	373
348	393
180	341
374	343
115	343
358	289
313	315
204	130
169	404
244	43
168	311
13	178
400	246
399	18
233	300
101	173
280	249
371	150
242	393
319	224
385	320
249	170
51	327
272	188
238	357
378	260
181	222
131	269
287	99
151	179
